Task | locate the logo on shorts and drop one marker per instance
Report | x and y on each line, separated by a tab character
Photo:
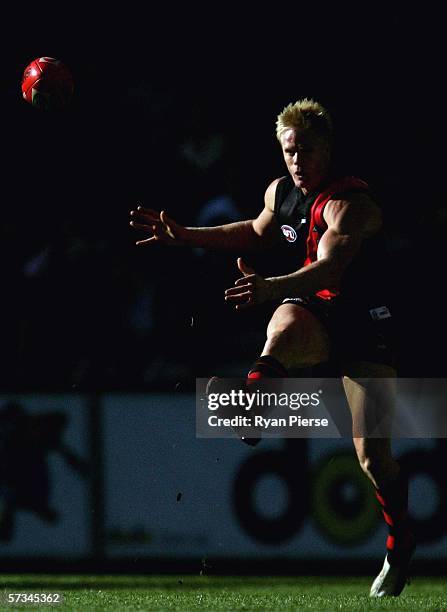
289	233
380	313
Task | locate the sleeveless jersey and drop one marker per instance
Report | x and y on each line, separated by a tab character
302	224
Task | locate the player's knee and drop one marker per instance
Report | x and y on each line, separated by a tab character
295	335
283	332
281	323
287	326
289	336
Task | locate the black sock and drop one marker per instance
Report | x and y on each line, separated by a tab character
266	367
393	499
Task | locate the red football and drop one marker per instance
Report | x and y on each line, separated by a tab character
47	83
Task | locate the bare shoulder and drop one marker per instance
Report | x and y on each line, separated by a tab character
358	212
270	193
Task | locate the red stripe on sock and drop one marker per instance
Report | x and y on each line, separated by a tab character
252	377
255	375
390	541
388	519
380	499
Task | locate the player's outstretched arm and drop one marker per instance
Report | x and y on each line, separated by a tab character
250	235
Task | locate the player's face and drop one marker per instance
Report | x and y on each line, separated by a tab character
307	158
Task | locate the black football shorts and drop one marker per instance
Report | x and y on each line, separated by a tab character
358	332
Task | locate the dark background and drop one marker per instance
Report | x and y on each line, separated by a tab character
82	307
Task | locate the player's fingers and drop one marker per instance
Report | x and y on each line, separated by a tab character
246	296
141	226
242	306
146	241
239	289
243	280
157	229
246	270
148	211
144	216
249	302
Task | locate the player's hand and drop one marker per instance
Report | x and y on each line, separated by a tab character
158	225
249	290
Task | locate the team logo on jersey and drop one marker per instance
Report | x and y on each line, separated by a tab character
289	233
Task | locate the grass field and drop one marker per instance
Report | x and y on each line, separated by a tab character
220	593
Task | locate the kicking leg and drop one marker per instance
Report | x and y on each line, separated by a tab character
295	339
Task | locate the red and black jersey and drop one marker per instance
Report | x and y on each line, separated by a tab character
302	224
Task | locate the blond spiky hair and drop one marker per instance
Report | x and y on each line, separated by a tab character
305	114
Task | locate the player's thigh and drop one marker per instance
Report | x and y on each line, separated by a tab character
301	331
370	390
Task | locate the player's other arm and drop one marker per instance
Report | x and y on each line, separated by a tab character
253	234
349	222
